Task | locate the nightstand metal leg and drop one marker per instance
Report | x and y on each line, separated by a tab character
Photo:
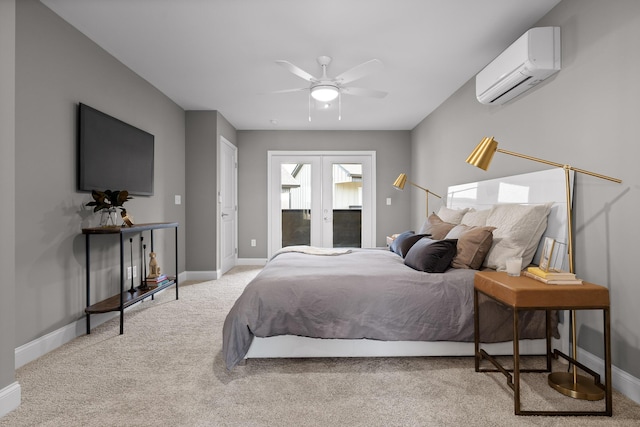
607	362
476	330
516	363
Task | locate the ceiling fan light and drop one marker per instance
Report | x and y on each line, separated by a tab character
324	93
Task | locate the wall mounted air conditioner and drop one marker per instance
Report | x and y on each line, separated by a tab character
528	61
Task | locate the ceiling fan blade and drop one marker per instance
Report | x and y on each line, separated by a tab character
358	91
297	71
359	71
300	89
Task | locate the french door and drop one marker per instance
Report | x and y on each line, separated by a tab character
323	199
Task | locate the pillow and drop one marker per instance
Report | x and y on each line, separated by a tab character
518	231
473	245
397	242
436	227
457	231
476	218
409	242
431	256
454	216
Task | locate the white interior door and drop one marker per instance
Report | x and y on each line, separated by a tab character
323	199
227	201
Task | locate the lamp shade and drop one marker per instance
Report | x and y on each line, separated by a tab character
324	93
483	153
400	181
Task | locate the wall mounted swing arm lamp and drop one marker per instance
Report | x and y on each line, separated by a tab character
400	182
567	383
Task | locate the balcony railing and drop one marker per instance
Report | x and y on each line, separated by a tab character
347	227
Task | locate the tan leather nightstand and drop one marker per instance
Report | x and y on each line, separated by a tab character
524	293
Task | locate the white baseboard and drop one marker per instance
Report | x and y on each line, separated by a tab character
251	261
10	397
46	343
202	275
622	381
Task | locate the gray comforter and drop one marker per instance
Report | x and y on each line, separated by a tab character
368	293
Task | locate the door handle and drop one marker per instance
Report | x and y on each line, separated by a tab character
224	214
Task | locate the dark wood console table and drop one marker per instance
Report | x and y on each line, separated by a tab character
125	298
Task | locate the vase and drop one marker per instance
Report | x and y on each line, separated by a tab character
108	218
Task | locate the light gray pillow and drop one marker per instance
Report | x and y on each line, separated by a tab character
453	216
476	218
518	232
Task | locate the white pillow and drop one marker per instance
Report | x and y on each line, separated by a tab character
452	216
457	231
518	232
475	218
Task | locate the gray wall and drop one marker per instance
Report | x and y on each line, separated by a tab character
392	153
201	156
57	67
7	189
226	129
204	129
586	116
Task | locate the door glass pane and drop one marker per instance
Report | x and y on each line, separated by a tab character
347	205
295	203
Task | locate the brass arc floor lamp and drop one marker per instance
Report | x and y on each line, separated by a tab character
568	383
402	180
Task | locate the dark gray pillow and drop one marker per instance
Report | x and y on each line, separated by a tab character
409	242
395	245
431	256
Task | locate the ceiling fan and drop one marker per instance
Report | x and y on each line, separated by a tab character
326	89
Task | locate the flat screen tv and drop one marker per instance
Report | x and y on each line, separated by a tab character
113	155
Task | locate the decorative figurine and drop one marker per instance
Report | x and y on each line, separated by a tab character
154	269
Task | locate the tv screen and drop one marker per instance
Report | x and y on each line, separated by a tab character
113	155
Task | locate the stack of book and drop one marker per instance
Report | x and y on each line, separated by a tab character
156	281
552	277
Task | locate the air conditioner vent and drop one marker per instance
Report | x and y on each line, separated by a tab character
532	58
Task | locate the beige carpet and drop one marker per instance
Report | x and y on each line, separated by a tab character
166	370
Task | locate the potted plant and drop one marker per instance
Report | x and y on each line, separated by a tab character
108	202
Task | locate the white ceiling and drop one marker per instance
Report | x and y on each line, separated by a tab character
220	54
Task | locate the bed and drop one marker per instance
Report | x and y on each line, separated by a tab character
310	302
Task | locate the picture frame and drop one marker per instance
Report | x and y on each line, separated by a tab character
547	252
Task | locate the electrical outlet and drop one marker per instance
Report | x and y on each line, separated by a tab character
135	271
128	273
253	242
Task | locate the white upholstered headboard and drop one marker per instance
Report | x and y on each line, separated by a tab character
530	188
